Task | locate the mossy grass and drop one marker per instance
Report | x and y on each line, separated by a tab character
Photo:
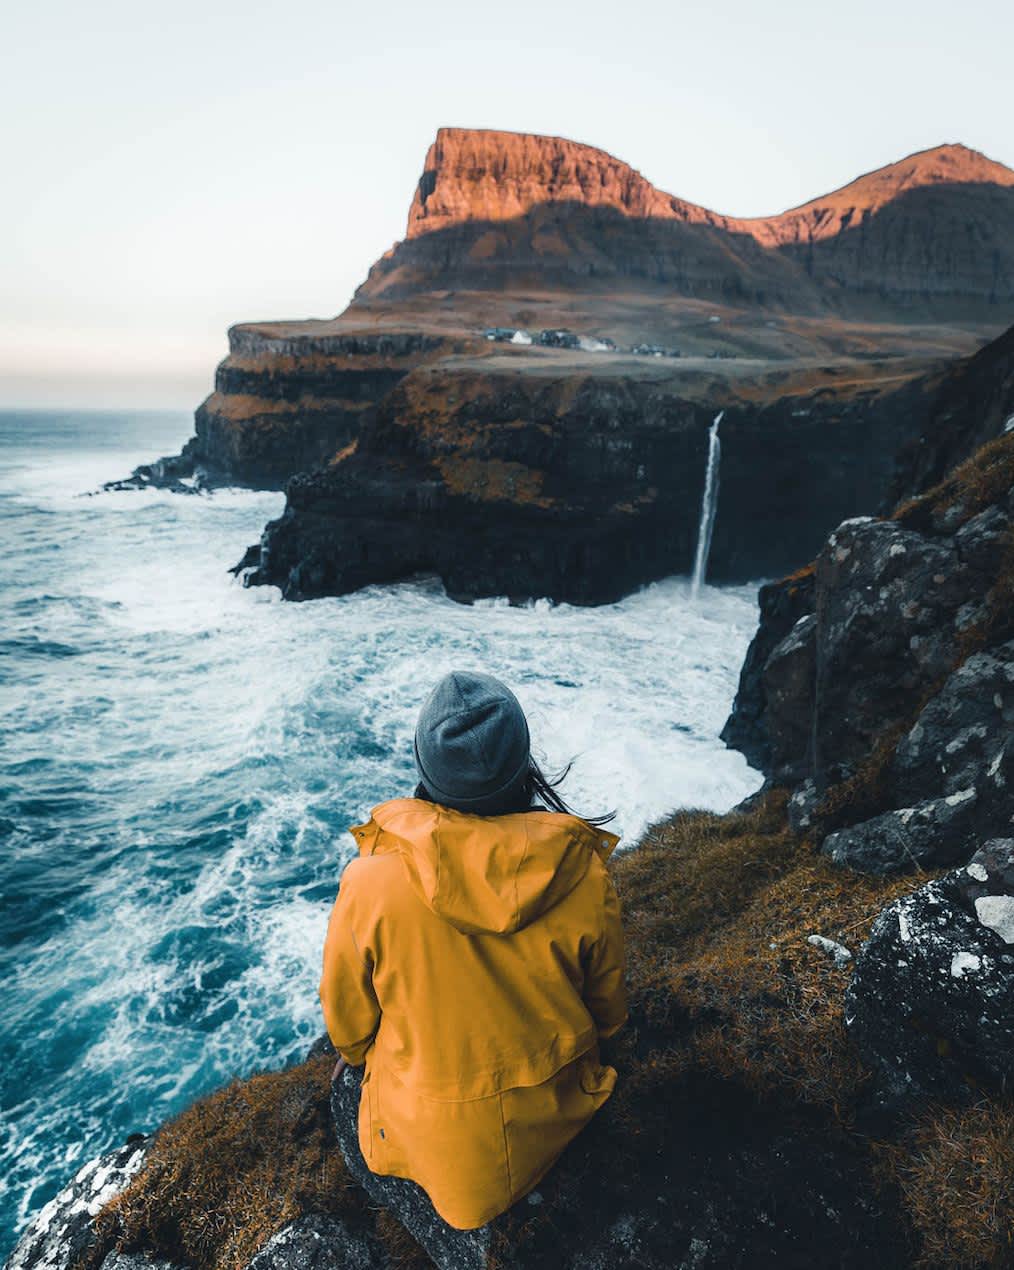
954	1168
235	1168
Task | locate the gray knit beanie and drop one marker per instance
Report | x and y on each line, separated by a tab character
471	744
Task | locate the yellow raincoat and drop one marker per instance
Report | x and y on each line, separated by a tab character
474	963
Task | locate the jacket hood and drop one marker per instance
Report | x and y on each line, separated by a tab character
485	874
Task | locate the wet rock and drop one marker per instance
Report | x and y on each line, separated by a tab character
931	1003
318	1243
178	473
62	1230
939	831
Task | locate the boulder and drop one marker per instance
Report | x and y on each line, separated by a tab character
886	597
62	1230
931	1002
316	1242
937	832
962	736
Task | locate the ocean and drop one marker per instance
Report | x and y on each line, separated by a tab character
181	759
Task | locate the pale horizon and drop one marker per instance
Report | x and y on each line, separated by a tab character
169	181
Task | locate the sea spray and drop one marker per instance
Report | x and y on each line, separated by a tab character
709	506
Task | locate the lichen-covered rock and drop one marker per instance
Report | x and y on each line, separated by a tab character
885	603
136	1261
317	1243
962	736
802	805
937	832
62	1230
931	1002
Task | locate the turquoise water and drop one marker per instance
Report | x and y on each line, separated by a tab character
181	757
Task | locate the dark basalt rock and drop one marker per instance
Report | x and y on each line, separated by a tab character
930	1002
873	688
880	624
886	601
289	396
936	832
179	473
965	732
579	488
973	406
748	728
317	1243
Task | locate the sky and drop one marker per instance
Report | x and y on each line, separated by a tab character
173	169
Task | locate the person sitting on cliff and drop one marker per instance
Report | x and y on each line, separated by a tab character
474	960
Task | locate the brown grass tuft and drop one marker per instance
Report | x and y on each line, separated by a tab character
984	478
955	1171
718	910
232	1170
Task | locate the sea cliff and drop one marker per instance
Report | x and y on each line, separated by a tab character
583	488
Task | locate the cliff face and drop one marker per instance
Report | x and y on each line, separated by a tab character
582	488
289	396
916	259
931	234
879	683
975	404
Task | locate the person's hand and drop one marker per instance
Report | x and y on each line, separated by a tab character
339	1067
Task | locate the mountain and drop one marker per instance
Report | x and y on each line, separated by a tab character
929	237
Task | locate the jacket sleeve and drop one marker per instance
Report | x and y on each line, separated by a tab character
605	994
351	1009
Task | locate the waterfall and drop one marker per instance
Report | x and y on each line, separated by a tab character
709	506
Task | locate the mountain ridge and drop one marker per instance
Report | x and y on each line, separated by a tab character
929	238
572	163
